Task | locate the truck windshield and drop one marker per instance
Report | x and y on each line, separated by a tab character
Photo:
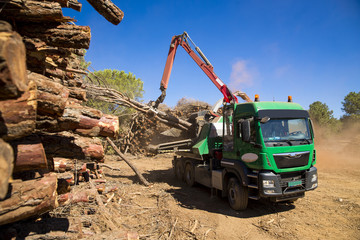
278	130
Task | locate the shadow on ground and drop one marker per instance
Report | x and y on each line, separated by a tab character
32	227
199	197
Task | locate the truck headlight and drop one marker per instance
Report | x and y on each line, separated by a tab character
314	185
269	191
314	178
268	184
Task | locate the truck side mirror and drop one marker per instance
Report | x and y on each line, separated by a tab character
265	119
312	128
245	131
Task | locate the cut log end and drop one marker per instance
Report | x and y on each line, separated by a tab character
108	10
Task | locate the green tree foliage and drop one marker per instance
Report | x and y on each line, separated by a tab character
323	116
126	83
351	106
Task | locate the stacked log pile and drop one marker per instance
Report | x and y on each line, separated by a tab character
41	92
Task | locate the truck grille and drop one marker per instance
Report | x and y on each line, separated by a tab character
294	159
285	178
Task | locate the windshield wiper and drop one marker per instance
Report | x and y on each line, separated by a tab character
304	139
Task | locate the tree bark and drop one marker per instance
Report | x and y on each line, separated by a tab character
69	145
58	35
29	198
18	116
74	4
13	80
29	154
52	97
85	120
108	10
58	73
33	11
6	167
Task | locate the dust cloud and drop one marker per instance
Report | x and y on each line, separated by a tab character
338	150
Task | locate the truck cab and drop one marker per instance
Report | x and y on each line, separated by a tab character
255	150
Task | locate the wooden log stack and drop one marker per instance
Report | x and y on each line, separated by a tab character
42	118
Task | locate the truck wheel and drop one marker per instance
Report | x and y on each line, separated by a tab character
237	195
178	168
189	175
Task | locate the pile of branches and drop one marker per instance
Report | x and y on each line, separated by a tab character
148	124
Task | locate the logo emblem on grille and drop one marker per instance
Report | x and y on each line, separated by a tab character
293	155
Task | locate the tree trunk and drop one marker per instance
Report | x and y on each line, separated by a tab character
58	73
108	10
13	80
58	35
69	145
33	11
52	97
86	121
29	154
18	116
6	167
29	198
138	173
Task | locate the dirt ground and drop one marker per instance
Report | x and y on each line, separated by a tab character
171	210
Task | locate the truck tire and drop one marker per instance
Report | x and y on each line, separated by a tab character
237	194
179	171
189	175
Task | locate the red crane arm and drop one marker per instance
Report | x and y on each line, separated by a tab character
202	62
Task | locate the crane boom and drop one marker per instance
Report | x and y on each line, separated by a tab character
203	63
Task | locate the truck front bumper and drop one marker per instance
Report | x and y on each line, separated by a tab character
286	186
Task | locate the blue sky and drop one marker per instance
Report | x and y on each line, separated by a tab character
307	49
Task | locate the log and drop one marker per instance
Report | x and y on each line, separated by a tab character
108	10
132	166
29	154
88	121
69	145
58	35
63	164
35	45
58	73
13	80
76	197
29	198
78	93
33	11
6	166
70	4
52	97
18	116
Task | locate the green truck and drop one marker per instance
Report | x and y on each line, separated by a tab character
254	150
